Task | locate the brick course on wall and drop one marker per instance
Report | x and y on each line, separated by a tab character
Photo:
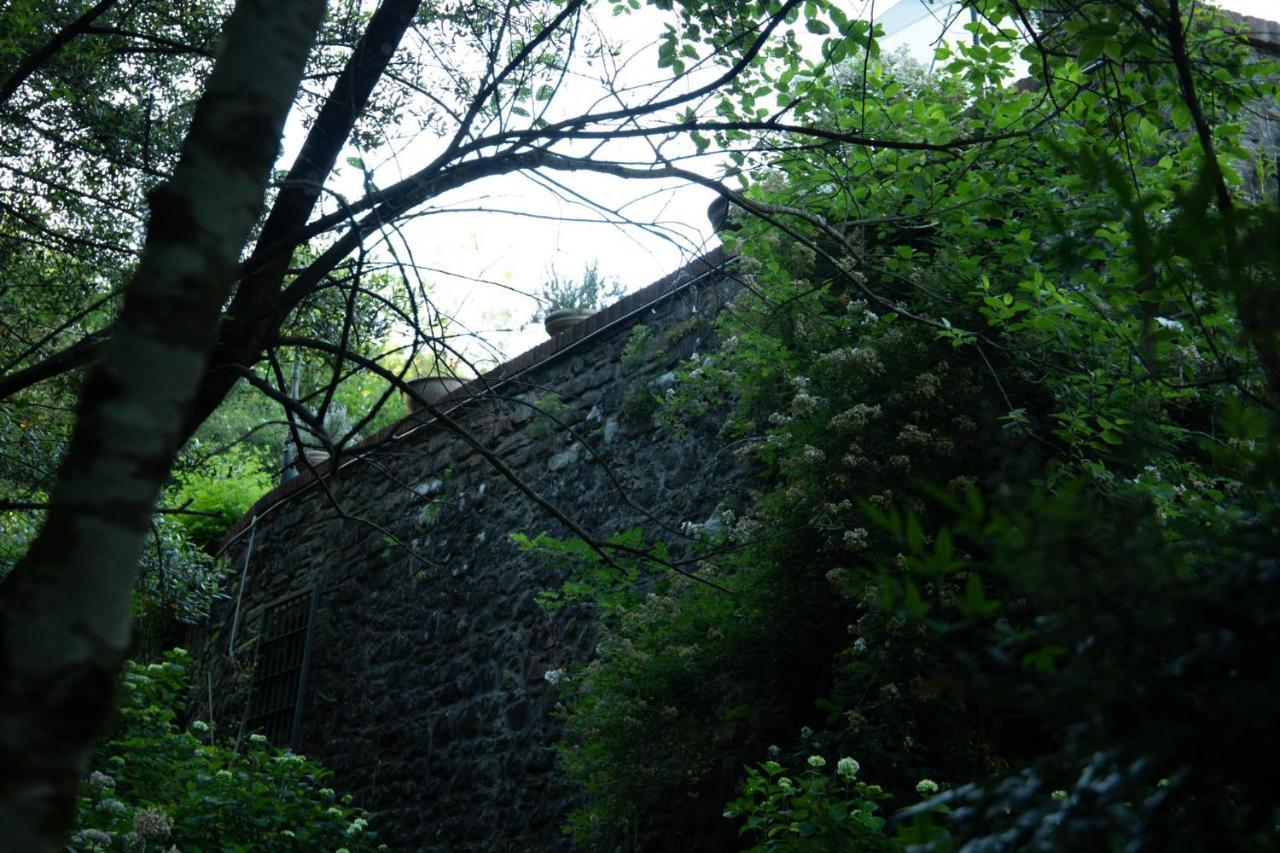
426	686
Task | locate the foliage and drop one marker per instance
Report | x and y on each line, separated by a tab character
154	784
639	348
1011	427
591	579
639	404
1111	648
16	532
177	580
729	666
548	419
1009	379
816	810
222	490
592	293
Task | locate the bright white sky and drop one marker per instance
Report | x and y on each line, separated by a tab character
514	252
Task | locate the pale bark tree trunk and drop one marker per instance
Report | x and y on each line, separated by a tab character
64	610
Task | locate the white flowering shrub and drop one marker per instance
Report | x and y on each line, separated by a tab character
811	811
155	786
1015	468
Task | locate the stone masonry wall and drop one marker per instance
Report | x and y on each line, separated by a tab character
426	689
1261	119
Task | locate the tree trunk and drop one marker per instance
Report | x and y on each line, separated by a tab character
64	610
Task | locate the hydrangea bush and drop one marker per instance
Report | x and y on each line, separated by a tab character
811	812
156	786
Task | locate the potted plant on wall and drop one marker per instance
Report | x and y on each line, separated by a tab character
563	302
435	379
337	425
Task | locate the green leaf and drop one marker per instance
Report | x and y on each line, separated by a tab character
976	602
1090	50
914	534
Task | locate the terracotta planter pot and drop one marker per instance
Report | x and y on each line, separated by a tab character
566	318
431	388
314	458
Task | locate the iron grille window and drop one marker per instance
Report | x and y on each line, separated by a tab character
275	703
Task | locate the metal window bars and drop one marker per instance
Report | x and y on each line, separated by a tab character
279	677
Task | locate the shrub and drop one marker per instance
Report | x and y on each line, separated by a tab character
224	489
1013	524
641	346
549	417
154	784
818	810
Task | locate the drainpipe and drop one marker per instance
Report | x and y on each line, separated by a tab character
289	452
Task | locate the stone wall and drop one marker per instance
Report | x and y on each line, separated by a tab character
426	685
1262	118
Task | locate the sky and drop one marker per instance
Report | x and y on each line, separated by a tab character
480	261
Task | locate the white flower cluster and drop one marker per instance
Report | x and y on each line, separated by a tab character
112	806
928	386
98	779
855	417
912	436
847	768
804	403
860	359
94	837
152	823
856	538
